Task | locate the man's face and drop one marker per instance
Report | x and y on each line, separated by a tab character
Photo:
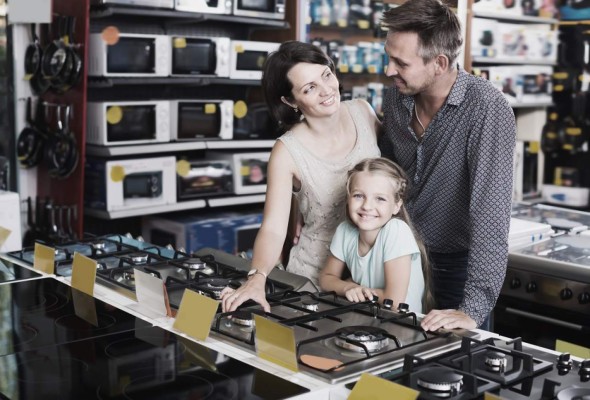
407	69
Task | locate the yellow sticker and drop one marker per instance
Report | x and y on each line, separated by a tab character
245	170
4	233
372	69
558	88
183	168
565	347
84	307
325	21
238	48
117	173
240	109
534	147
363	24
375	388
489	396
260	61
44	258
551	135
573	131
28	77
343	68
210	108
553	116
342	23
192	304
114	115
357	68
560	75
275	343
179	42
567	146
83	273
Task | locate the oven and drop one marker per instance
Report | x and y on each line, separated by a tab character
248	57
200	56
201	119
274	9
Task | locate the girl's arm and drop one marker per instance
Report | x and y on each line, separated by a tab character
397	279
330	281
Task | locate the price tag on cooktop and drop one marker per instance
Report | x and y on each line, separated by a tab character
85	307
195	314
565	347
83	273
489	396
150	294
275	343
375	388
4	233
44	258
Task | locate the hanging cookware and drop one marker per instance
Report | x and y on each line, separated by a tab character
61	152
57	60
30	141
33	55
70	74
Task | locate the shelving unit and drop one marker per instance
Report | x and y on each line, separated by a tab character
512	61
504	16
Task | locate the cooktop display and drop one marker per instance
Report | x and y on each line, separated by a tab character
10	272
44	312
145	364
509	369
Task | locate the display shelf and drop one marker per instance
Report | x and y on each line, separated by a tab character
532	105
102	82
513	17
236	200
137	212
513	61
181	17
150	148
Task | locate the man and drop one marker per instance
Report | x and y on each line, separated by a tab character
454	134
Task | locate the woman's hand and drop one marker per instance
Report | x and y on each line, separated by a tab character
252	289
447	319
357	293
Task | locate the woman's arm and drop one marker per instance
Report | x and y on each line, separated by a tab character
271	235
397	279
331	281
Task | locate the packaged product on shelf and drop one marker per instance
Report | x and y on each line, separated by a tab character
484	37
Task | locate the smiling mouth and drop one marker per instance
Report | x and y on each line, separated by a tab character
329	100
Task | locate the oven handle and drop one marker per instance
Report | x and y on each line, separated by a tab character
568	325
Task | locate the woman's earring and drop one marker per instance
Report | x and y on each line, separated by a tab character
296	110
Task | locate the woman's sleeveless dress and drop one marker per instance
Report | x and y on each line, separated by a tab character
322	198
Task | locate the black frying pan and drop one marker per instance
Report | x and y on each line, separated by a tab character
70	74
30	141
33	54
56	57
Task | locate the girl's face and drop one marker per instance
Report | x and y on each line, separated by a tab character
315	90
371	201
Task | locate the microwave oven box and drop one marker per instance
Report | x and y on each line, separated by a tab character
249	170
231	232
115	185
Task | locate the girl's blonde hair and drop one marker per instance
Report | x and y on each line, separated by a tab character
389	169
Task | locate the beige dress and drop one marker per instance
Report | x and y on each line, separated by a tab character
322	198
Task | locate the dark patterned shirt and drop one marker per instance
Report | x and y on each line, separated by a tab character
461	180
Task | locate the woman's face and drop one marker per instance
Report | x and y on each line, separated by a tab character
315	89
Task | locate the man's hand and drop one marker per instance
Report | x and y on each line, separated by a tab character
252	289
447	319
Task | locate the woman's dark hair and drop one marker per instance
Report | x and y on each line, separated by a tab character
275	83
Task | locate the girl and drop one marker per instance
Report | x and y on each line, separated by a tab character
377	242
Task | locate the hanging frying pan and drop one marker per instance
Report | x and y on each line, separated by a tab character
33	55
62	154
56	56
30	141
70	75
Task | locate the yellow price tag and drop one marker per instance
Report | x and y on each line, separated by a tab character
114	115
117	173
4	234
195	314
375	388
83	273
183	168
238	48
240	109
210	108
44	258
275	343
179	43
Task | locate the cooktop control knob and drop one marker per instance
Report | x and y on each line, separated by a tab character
584	298
387	304
515	283
585	371
566	294
531	287
403	307
564	363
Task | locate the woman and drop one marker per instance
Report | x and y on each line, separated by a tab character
310	161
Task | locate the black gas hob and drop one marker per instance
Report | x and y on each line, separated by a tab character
508	369
144	364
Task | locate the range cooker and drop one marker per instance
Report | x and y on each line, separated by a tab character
546	293
58	345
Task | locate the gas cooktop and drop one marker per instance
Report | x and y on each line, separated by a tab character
507	369
144	364
45	312
337	340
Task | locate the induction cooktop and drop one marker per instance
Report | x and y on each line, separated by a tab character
11	272
145	364
45	312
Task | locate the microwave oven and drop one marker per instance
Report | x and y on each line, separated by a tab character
201	119
204	6
127	122
141	3
205	178
131	55
202	56
273	9
256	123
247	58
249	170
142	184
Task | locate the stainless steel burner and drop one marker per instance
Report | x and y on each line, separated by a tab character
496	361
126	278
574	393
310	304
243	318
99	245
138	258
440	382
355	337
197	265
213	286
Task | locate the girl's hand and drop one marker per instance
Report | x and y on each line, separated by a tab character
357	294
